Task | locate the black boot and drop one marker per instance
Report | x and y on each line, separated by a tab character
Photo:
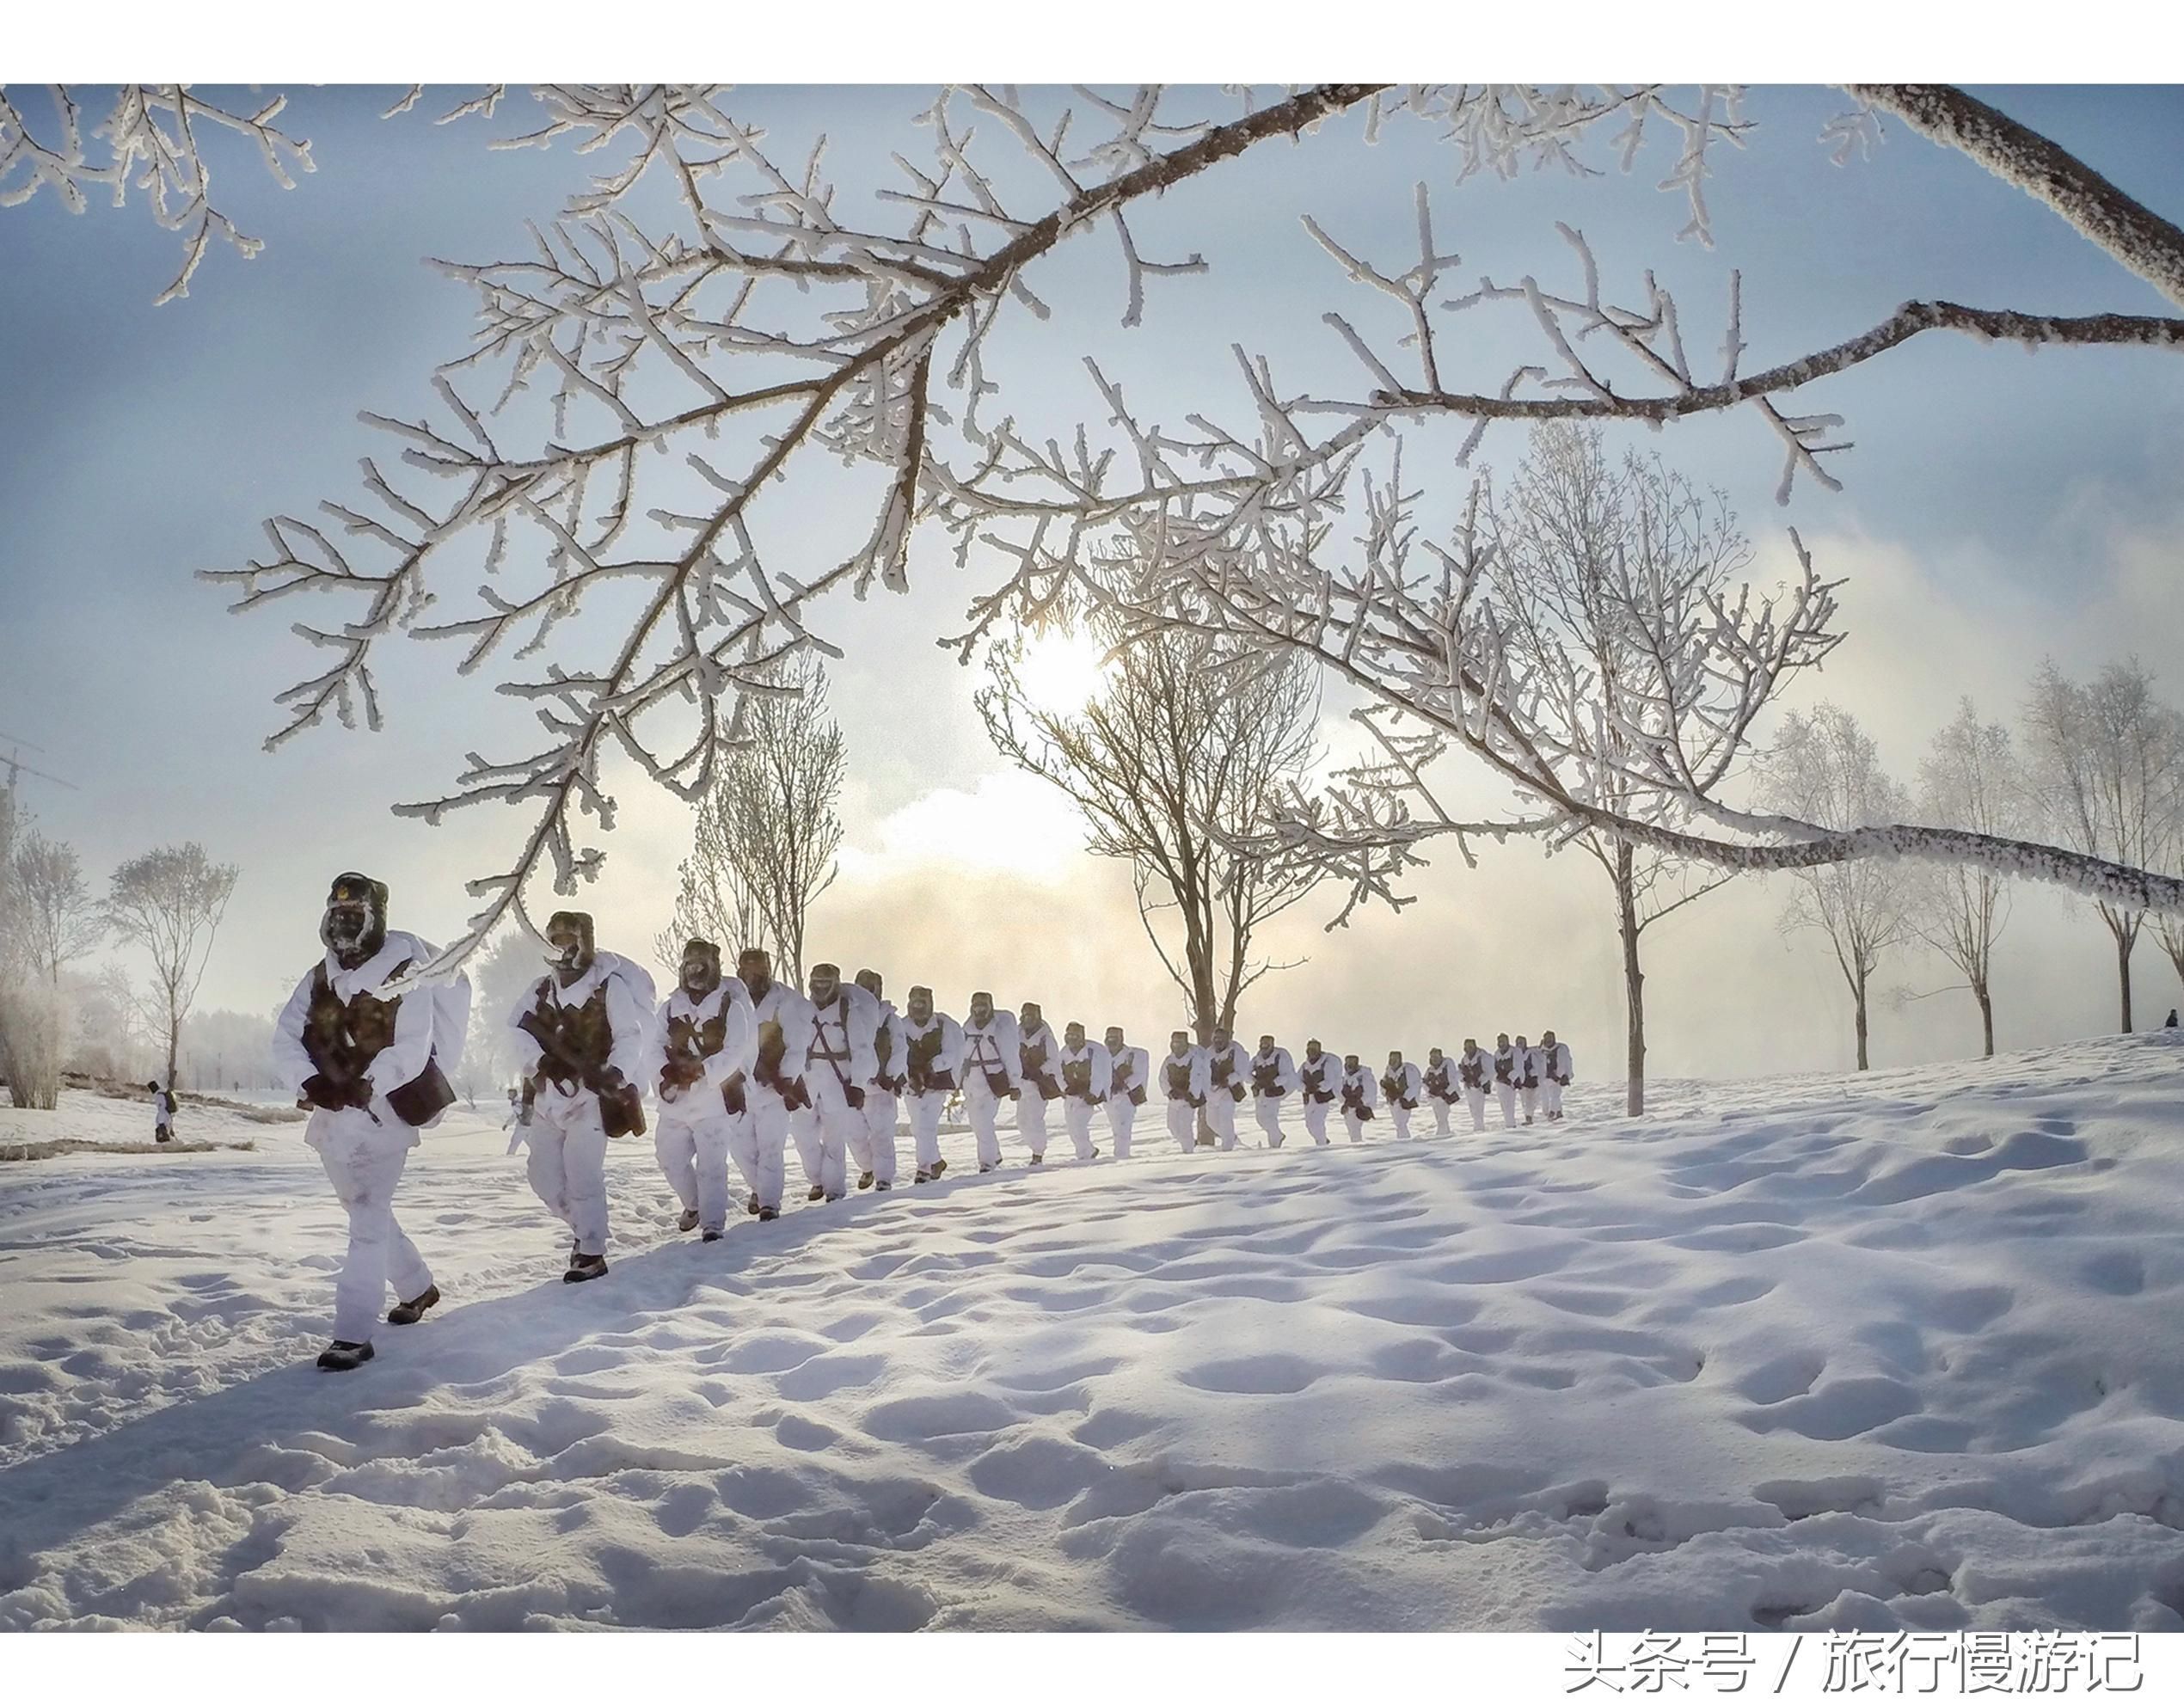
765	1214
711	1236
864	1180
922	1177
585	1268
688	1220
815	1194
751	1205
883	1186
939	1168
412	1309
1038	1158
343	1354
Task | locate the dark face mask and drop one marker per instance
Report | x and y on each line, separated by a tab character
701	973
869	981
981	1009
1029	1018
1179	1048
352	932
1115	1038
571	943
756	972
1075	1037
824	984
921	1008
1312	1051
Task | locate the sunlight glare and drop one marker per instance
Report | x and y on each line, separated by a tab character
1061	671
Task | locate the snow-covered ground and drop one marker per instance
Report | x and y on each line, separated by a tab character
1906	1350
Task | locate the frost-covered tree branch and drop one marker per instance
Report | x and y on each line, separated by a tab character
678	431
151	140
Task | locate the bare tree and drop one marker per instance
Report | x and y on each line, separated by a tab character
169	902
50	920
1178	763
60	920
1830	770
2169	927
20	1042
645	382
713	898
503	974
2108	767
1971	778
768	829
1607	577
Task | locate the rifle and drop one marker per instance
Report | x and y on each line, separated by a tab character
1179	1085
1118	1083
1262	1079
1353	1102
1077	1079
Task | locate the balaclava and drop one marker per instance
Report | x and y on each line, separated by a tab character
568	934
701	975
354	925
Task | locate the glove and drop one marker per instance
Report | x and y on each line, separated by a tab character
854	1095
321	1093
358	1093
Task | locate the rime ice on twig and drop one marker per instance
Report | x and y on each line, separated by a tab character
604	478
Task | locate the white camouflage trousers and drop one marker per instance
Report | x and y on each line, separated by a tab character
1221	1116
365	1158
1316	1120
1122	1120
925	1108
758	1140
985	1108
1077	1120
1268	1111
692	1150
833	1119
872	1147
1182	1124
1031	1119
1507	1094
568	1163
1474	1100
1550	1097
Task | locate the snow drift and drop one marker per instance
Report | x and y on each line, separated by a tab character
1900	1351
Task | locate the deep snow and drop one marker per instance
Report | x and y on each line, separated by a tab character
1905	1350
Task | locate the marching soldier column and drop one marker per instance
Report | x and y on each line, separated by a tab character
737	1067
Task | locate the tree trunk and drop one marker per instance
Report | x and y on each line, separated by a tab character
2123	942
173	1049
1858	992
1987	1014
1634	982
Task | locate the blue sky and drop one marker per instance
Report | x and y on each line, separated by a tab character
1996	505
